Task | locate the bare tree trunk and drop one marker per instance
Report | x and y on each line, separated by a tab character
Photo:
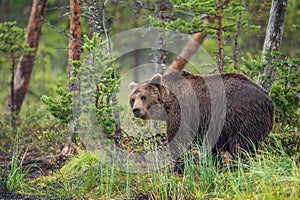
236	44
190	49
220	36
161	59
5	10
272	42
75	37
26	62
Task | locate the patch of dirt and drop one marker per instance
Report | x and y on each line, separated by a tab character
4	192
38	166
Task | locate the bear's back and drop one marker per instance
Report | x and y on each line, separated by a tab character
248	106
235	85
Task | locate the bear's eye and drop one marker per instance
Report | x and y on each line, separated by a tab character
132	101
143	98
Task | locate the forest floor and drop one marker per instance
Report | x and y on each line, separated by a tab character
50	167
38	167
5	193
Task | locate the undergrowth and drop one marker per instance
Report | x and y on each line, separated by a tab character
271	174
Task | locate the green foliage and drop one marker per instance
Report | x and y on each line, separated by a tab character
289	142
12	39
285	87
191	22
94	73
84	176
197	9
285	90
296	26
36	129
271	174
60	106
37	135
12	45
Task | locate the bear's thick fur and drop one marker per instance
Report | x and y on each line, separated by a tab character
235	111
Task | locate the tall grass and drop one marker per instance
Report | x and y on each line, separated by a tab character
16	177
36	131
264	176
270	174
200	174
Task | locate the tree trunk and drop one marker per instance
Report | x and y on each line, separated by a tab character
161	54
190	49
75	37
26	62
220	36
5	10
93	17
272	42
236	39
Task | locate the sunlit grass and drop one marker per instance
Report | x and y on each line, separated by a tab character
268	175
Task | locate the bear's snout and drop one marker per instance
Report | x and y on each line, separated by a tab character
136	112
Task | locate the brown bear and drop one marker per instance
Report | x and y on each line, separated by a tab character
229	110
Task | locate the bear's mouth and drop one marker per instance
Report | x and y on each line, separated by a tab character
143	117
140	114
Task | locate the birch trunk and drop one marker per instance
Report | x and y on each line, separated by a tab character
272	42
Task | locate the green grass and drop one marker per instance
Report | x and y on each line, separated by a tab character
268	175
273	173
263	177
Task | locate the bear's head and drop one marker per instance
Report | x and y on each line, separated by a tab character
146	99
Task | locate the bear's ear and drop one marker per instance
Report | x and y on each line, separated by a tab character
132	85
156	79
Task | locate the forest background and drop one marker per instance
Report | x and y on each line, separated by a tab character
40	134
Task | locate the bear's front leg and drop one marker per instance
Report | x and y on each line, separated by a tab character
179	166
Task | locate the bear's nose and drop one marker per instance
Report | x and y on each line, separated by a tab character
136	112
